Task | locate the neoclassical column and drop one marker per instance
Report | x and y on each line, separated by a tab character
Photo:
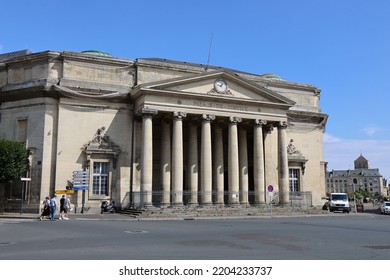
271	160
218	166
165	172
193	165
258	161
147	157
233	161
243	161
283	163
206	161
177	159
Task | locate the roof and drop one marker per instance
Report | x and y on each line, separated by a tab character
374	172
361	158
10	55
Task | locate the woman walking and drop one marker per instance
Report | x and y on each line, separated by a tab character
46	209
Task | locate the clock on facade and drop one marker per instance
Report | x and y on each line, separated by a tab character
220	86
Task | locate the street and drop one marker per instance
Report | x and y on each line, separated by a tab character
344	237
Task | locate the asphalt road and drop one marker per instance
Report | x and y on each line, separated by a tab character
344	237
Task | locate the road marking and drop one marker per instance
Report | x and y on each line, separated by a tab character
135	231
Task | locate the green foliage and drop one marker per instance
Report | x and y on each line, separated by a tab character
13	160
365	193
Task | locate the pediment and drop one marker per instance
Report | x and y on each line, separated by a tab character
238	88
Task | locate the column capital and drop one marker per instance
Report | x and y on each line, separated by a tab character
260	122
208	117
147	112
283	124
179	115
235	119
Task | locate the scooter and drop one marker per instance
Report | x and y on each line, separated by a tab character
107	207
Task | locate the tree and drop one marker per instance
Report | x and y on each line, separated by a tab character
13	163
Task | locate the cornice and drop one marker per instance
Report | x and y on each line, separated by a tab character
29	58
96	59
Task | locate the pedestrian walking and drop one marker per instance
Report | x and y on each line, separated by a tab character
62	210
66	208
46	209
53	207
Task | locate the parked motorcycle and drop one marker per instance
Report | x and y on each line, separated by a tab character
107	207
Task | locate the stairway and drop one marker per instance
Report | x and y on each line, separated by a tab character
132	212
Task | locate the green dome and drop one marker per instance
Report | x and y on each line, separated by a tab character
97	53
273	77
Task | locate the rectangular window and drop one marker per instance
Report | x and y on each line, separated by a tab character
294	180
21	131
100	178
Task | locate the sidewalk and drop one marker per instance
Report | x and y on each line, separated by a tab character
78	216
191	214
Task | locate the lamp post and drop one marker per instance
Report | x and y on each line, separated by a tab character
354	193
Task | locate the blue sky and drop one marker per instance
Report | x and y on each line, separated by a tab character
342	47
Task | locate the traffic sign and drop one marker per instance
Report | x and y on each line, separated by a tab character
80	188
80	172
64	191
80	180
270	188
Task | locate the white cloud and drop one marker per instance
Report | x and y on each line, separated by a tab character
371	130
341	153
331	139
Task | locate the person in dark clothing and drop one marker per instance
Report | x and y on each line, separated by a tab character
62	210
46	209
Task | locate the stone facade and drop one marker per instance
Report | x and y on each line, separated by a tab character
160	133
361	178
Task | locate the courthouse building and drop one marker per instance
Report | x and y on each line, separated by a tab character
159	133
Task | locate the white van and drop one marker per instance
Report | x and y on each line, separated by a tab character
339	202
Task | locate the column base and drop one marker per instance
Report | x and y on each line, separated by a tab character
245	204
219	205
192	205
259	203
165	205
177	205
234	205
206	205
148	206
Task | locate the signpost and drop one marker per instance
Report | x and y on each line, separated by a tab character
80	180
270	189
81	183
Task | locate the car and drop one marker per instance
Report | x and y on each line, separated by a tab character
385	207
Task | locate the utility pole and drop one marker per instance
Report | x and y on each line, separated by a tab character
354	193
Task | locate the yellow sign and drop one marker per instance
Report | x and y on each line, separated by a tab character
64	191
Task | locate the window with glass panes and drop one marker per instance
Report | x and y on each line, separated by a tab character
294	180
100	178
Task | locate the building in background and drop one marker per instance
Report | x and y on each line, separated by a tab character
361	178
159	133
